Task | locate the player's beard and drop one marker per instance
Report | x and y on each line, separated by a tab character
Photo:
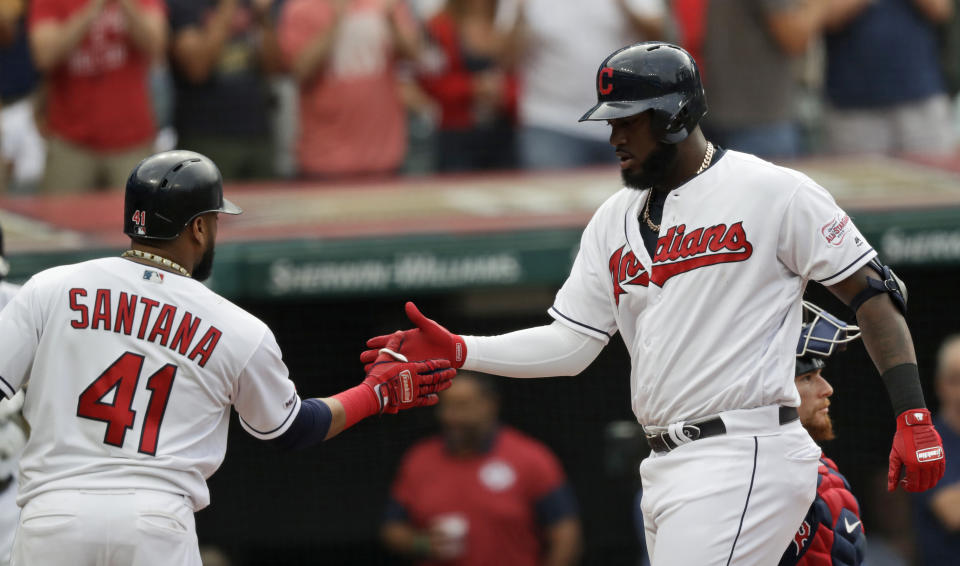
821	430
203	269
655	168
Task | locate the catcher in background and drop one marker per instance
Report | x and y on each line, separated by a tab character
832	532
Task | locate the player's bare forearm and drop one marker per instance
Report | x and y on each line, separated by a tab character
147	28
51	42
564	543
339	417
885	333
936	11
196	50
312	60
884	330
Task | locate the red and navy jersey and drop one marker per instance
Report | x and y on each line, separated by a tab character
832	532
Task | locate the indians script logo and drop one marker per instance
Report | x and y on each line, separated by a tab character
679	251
801	537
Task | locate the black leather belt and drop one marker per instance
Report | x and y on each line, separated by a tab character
661	442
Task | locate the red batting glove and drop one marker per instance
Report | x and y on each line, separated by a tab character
917	449
402	385
427	341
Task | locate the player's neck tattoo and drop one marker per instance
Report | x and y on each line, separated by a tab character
161	261
707	158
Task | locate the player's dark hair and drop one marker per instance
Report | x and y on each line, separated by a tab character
485	383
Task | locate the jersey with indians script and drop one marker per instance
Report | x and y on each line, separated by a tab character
712	321
130	374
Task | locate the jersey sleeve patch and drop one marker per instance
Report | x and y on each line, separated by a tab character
578	326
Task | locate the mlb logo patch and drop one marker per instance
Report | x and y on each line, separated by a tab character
153	276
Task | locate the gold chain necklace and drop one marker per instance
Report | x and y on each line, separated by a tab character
162	261
707	158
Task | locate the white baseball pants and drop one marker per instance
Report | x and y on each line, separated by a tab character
106	528
733	499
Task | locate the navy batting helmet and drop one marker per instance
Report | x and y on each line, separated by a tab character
167	190
820	337
653	76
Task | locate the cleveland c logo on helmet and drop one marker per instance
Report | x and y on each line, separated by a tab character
651	76
605	73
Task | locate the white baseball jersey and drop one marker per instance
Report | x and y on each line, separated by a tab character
9	512
7	291
712	322
132	371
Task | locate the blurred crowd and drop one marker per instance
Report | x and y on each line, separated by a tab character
337	89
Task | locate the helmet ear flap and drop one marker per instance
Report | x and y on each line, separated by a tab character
679	119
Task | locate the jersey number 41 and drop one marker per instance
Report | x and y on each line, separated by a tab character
123	376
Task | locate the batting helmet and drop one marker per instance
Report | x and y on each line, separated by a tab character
167	190
653	76
821	337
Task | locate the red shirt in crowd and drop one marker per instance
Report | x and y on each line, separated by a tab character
506	496
452	84
99	96
351	117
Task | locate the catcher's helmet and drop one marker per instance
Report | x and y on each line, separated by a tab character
167	190
820	337
653	76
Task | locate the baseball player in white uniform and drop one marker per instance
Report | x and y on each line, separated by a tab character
133	366
699	263
12	438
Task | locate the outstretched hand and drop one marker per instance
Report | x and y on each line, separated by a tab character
428	340
401	385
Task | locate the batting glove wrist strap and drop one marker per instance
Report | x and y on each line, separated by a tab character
358	403
916	459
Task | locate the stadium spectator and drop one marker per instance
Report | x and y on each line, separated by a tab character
884	83
751	54
556	45
223	53
96	55
342	54
481	493
23	149
477	98
937	511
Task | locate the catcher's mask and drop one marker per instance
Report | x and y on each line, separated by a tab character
820	337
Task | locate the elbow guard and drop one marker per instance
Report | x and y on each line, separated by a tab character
888	283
